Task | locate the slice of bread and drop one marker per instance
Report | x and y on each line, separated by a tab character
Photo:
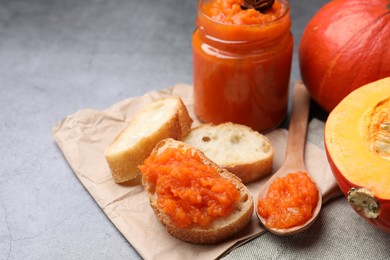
220	229
166	117
237	148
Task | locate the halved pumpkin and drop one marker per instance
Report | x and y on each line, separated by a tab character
357	141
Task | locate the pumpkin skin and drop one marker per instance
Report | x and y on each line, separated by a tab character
357	142
343	47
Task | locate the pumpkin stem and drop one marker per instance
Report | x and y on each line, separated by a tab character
363	201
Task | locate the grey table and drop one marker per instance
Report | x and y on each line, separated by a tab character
57	57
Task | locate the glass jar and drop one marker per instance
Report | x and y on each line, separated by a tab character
242	72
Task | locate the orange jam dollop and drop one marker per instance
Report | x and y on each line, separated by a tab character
290	201
230	12
188	191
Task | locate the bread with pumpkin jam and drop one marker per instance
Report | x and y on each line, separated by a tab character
196	200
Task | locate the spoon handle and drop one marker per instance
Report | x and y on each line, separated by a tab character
298	125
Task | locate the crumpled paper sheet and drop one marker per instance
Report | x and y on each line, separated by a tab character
83	136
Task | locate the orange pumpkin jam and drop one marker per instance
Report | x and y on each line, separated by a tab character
188	191
290	201
230	12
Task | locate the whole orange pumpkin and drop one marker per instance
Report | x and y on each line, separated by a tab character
345	46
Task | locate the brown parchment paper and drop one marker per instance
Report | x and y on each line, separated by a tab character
83	136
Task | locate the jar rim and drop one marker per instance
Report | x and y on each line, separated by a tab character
286	11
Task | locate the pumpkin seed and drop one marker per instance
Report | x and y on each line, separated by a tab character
383	147
385	126
383	136
382	143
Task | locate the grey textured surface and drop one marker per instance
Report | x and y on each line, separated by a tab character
57	57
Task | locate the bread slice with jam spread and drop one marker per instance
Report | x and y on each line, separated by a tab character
196	200
165	117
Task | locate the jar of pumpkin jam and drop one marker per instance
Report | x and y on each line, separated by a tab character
242	63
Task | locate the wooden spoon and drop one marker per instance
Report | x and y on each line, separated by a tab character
294	160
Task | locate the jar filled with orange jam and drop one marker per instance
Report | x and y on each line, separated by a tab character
242	63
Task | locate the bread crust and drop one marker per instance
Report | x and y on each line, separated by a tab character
123	162
220	229
247	170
